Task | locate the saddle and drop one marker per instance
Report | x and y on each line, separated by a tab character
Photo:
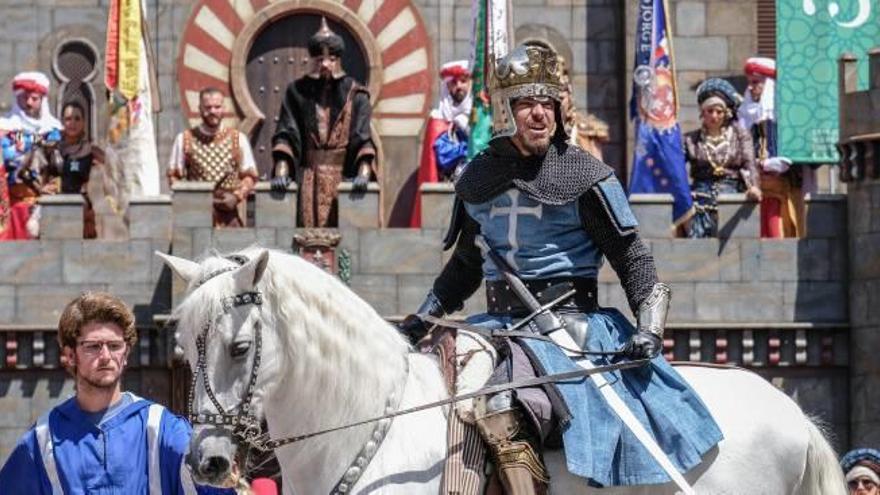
467	361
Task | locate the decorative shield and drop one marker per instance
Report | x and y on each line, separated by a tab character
319	247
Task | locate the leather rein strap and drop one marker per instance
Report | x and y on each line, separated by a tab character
574	375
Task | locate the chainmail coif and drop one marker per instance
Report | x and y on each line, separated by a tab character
557	178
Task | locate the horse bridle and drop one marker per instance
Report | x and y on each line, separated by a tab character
244	424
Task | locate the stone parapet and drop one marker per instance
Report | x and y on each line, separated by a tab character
275	209
192	204
359	210
654	213
738	217
825	216
61	216
150	217
436	206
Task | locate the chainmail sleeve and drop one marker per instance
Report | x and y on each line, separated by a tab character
628	255
463	273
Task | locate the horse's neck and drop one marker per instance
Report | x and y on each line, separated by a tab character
323	397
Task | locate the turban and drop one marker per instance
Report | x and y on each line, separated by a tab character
35	82
761	65
455	70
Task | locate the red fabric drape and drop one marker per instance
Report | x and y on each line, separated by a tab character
427	166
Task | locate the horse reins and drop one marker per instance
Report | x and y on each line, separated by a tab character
245	426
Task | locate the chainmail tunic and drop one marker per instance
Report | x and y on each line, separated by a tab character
490	174
557	178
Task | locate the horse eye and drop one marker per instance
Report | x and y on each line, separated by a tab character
240	349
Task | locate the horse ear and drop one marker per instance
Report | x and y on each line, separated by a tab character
250	274
184	268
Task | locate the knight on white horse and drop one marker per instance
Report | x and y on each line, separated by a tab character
311	356
549	212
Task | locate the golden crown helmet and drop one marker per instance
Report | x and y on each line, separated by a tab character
529	70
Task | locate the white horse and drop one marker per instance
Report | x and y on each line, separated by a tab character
328	359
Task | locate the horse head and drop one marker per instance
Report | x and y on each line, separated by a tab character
271	339
220	328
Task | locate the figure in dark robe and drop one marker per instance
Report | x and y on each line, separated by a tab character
323	133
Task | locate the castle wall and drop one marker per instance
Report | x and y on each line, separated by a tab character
779	307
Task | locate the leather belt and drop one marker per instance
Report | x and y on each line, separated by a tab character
501	300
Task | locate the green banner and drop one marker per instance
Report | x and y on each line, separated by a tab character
811	36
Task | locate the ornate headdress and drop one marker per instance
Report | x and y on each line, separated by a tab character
721	89
326	42
529	70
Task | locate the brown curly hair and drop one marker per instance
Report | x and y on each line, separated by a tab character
91	307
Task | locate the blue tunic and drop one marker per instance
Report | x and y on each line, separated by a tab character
108	458
543	241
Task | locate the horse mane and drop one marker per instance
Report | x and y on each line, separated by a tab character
328	336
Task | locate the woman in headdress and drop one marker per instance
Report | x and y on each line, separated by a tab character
78	157
720	155
862	470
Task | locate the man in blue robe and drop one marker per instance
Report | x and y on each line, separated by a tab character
102	440
552	211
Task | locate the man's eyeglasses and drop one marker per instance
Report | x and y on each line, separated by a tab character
863	482
94	347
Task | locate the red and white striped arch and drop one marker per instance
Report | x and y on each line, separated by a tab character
404	93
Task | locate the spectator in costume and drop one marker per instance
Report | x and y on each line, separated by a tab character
782	206
323	134
74	162
28	133
444	148
454	111
862	470
719	154
214	153
102	440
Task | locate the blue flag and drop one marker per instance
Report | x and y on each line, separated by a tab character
658	165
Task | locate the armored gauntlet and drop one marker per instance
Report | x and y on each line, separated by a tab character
648	342
413	326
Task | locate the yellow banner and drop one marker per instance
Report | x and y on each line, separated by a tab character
129	47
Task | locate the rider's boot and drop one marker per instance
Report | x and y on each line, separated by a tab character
502	427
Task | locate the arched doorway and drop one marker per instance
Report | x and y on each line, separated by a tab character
221	35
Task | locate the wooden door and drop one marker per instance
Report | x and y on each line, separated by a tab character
277	58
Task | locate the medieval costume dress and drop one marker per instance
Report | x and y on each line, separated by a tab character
25	140
324	133
782	206
553	218
719	164
223	157
77	160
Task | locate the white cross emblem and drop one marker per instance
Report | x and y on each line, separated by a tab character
513	212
